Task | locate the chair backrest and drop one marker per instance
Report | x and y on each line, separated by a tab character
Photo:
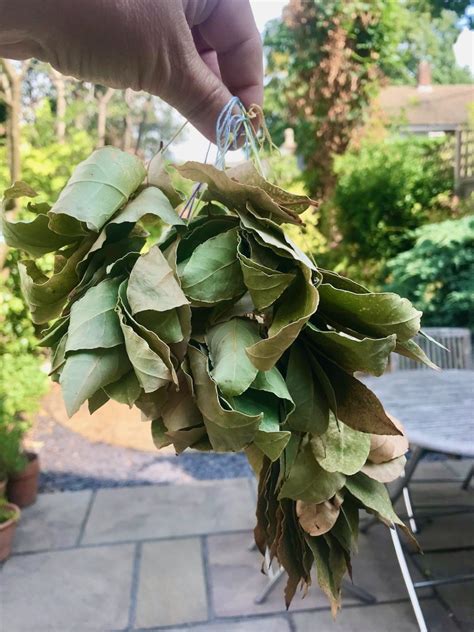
456	340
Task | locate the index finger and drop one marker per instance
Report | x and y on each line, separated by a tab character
231	31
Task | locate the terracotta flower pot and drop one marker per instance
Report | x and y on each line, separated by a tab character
22	488
7	531
3	488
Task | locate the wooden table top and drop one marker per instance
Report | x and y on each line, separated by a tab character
436	407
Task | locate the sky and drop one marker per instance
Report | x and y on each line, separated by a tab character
195	146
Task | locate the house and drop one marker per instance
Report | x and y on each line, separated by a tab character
427	108
436	110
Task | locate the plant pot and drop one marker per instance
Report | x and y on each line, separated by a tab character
3	488
7	531
22	488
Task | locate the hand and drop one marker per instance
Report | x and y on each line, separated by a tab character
194	54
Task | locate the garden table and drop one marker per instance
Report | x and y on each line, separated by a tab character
436	409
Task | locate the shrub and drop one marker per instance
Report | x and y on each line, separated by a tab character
437	274
386	189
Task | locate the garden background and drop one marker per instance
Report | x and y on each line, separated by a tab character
393	215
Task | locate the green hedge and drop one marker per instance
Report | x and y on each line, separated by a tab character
437	274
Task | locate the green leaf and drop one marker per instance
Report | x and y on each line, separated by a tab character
374	496
308	481
166	325
273	382
294	309
180	410
213	273
126	390
85	372
153	286
94	323
370	314
311	413
150	369
327	574
201	230
411	350
151	203
154	341
357	406
33	237
99	186
159	434
53	334
369	355
228	430
46	296
269	438
232	370
265	285
346	450
269	234
97	400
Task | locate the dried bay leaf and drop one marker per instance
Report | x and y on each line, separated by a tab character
346	450
387	447
371	314
213	272
357	406
228	430
295	307
317	519
265	285
153	285
311	413
85	372
98	187
385	472
369	355
308	481
232	370
93	322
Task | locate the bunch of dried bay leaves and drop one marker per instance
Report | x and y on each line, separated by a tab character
228	338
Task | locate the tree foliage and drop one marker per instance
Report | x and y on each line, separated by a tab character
437	274
323	62
426	36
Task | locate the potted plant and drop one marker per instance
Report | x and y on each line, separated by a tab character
20	467
9	516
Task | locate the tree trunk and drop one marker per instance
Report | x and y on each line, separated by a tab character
59	82
143	123
11	88
128	121
102	105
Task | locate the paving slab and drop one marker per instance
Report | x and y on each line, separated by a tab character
80	590
269	624
236	579
54	521
461	467
394	617
169	511
172	587
458	597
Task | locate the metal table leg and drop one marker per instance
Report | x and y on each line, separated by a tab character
408	580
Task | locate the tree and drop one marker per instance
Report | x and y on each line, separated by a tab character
426	35
323	60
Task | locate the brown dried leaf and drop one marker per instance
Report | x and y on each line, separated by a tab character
317	519
385	448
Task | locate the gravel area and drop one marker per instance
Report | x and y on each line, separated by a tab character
71	462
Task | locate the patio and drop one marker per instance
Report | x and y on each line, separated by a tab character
176	557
